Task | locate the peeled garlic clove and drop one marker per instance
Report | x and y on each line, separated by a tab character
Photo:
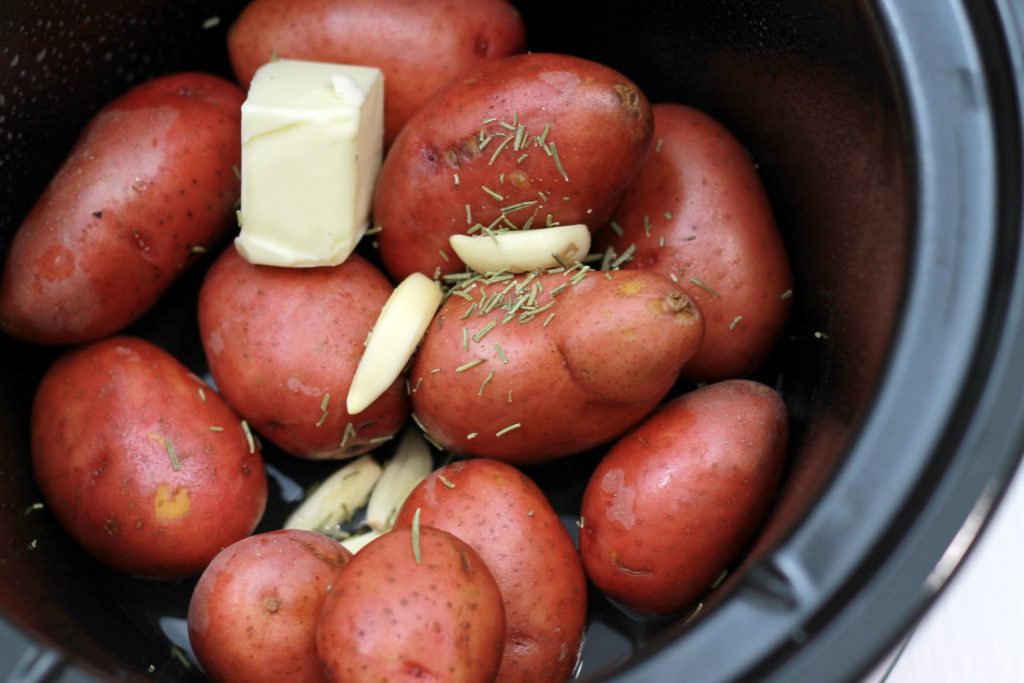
356	543
340	495
523	250
410	465
401	325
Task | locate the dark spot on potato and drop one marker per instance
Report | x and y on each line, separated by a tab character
112	527
482	45
97	214
467	566
630	98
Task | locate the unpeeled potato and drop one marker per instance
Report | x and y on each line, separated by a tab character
676	501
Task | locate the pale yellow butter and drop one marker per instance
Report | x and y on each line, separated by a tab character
312	145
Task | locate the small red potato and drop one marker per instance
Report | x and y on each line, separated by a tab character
415	604
253	614
505	517
144	465
698	213
283	345
419	44
147	188
524	141
521	382
676	501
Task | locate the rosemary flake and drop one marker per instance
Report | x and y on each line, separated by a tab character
624	256
172	454
510	428
214	428
483	332
501	353
444	480
494	195
616	228
484	383
202	394
735	322
471	364
697	281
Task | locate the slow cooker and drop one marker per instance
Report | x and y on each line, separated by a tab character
889	136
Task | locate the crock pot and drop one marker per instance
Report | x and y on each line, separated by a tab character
889	136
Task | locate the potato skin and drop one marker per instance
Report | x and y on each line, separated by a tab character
721	233
253	614
279	340
105	419
419	44
389	618
505	517
674	503
611	352
146	188
600	126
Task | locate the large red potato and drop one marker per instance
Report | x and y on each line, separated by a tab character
414	605
147	187
522	141
505	517
419	44
283	345
698	212
144	465
526	382
676	501
253	614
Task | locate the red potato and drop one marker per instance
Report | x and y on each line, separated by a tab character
144	465
419	44
676	501
579	372
253	614
537	138
283	345
699	213
412	608
502	514
147	187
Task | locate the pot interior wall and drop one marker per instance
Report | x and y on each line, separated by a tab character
805	86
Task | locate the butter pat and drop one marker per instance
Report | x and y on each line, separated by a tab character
312	145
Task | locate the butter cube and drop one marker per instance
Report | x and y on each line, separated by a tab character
312	145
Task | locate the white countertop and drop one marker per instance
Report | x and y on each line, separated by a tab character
975	630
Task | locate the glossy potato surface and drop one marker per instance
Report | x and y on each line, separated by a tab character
677	500
698	212
283	345
505	517
395	615
143	464
524	383
253	614
527	140
147	188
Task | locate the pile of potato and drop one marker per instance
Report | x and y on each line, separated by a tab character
157	474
